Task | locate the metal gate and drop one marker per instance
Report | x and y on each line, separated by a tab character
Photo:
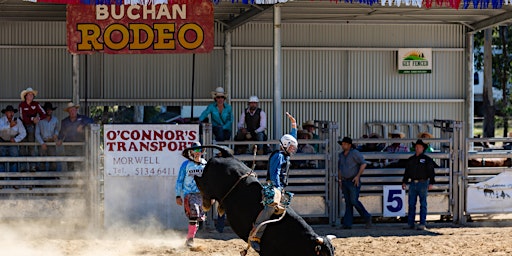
59	195
482	164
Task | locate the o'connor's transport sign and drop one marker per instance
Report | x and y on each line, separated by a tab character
181	26
146	150
414	60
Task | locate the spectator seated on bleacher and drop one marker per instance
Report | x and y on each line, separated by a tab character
251	127
305	149
424	135
395	147
372	147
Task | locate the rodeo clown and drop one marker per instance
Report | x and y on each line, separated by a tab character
275	199
186	185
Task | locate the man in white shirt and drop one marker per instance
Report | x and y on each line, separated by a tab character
252	124
11	130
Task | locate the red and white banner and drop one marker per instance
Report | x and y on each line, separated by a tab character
183	26
146	149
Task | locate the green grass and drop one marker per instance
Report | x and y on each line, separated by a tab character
498	130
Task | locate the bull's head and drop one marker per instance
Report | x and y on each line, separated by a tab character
219	174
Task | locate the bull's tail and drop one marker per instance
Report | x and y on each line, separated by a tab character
224	151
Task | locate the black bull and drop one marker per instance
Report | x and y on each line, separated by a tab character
225	180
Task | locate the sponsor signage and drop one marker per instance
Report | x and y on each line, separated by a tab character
414	60
491	196
146	150
183	26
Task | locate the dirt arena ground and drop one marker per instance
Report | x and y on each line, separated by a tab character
20	239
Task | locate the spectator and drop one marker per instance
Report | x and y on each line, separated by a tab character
252	125
310	127
73	130
395	147
30	114
306	149
192	199
419	174
274	196
11	130
372	147
221	115
425	135
351	165
47	130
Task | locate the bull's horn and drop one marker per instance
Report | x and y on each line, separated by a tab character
330	237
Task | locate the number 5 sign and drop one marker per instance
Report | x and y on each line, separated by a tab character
393	201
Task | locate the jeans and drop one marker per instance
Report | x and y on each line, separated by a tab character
9	151
417	189
219	225
29	150
221	134
351	195
255	136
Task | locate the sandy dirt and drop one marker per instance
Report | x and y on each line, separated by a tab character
383	239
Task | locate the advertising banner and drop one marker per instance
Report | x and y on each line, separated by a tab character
414	60
491	196
183	26
146	149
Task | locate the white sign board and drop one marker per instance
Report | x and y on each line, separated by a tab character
146	149
393	201
491	196
414	60
142	163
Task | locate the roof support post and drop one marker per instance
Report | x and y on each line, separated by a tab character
278	113
227	61
76	73
470	97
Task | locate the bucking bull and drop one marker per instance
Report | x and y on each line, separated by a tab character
238	191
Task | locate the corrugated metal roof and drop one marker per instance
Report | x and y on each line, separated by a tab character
303	11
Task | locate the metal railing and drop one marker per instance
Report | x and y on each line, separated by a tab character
44	193
475	174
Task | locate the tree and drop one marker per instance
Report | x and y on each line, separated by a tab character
499	46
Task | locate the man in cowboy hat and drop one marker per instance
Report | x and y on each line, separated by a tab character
221	115
30	114
310	127
73	130
306	149
47	130
351	165
395	147
11	130
252	125
425	135
419	174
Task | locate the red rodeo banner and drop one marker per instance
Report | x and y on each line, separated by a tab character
183	26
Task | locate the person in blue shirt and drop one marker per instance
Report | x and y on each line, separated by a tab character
73	130
277	179
351	165
187	192
47	130
221	115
